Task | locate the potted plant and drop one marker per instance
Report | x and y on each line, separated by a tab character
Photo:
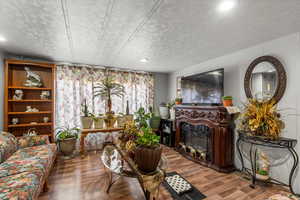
164	111
106	89
171	105
98	121
66	138
121	120
86	119
178	101
262	175
148	151
142	118
227	101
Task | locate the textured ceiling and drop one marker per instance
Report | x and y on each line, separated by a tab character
172	34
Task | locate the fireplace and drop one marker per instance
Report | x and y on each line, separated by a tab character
204	135
197	138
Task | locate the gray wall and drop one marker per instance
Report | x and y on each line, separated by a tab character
287	49
161	89
1	88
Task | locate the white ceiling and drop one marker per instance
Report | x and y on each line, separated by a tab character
172	34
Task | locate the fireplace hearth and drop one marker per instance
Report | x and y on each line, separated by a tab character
204	134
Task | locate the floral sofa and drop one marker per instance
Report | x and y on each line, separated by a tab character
25	164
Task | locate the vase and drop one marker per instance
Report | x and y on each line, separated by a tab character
172	114
155	122
147	159
121	121
227	102
86	122
99	123
164	112
67	146
110	120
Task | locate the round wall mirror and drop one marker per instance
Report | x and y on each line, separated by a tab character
265	79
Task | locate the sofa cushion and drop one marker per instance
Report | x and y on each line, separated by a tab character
8	145
34	140
23	186
37	160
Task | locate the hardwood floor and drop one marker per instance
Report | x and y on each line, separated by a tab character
86	179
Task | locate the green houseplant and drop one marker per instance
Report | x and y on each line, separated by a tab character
178	101
66	138
227	101
86	118
142	118
106	89
148	151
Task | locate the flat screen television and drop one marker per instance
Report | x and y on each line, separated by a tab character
203	89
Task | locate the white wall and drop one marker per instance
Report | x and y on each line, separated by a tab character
1	88
287	49
161	88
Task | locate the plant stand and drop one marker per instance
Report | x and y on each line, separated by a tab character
254	141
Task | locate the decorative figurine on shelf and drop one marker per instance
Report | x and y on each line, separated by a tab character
18	95
46	119
15	121
45	95
31	132
33	79
29	109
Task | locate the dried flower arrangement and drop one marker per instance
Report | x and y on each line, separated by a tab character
261	119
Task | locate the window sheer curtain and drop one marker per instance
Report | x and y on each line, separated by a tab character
74	84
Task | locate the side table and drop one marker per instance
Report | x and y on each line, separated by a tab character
254	141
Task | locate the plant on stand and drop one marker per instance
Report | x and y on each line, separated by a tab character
66	138
142	118
148	150
107	89
86	119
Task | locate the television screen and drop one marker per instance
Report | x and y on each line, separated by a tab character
204	88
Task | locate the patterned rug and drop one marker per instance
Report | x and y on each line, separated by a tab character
283	196
192	193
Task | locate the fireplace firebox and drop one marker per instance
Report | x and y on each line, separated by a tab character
204	134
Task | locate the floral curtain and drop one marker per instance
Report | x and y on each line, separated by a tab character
74	84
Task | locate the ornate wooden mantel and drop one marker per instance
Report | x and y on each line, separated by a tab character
222	139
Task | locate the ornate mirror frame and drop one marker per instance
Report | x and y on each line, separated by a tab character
281	86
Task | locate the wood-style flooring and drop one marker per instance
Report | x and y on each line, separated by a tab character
85	178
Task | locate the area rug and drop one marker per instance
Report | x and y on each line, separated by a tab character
283	196
191	194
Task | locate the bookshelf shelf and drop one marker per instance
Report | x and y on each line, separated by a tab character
29	125
15	77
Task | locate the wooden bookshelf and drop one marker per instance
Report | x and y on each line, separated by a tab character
15	77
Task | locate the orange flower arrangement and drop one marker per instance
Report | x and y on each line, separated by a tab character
261	119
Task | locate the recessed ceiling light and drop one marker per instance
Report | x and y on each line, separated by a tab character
226	5
144	60
2	39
